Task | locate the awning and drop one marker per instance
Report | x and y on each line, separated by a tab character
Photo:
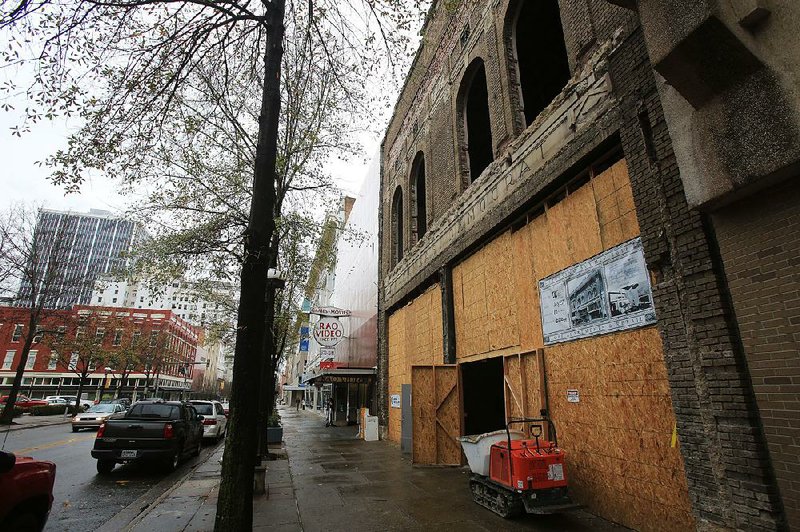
343	376
294	387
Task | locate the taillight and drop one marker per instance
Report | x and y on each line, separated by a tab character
208	421
168	431
101	430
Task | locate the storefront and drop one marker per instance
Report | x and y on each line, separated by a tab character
351	389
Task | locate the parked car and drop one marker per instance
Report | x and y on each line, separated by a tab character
26	486
154	431
124	401
215	421
24	402
226	407
96	416
69	399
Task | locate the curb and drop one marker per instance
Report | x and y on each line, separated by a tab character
21	426
131	515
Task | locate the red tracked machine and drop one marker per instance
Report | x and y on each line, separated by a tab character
524	474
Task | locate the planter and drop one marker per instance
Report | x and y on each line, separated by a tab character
274	434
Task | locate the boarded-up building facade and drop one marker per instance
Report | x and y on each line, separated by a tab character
539	256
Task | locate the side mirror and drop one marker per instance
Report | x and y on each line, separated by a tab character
200	418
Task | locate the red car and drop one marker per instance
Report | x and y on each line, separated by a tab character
27	488
24	402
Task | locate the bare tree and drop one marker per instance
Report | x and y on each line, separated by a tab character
81	347
34	261
143	52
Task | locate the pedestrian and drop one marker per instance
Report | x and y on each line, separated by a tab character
297	404
329	419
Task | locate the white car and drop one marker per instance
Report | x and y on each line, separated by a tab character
67	399
215	422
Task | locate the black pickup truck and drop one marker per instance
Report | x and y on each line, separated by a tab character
153	430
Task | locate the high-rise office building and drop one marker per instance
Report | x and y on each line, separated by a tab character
90	244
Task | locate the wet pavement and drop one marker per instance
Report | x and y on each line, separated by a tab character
327	479
83	500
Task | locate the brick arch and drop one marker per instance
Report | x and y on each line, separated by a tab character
538	63
473	118
418	198
397	232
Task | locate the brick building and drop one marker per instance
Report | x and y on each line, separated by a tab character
45	374
605	243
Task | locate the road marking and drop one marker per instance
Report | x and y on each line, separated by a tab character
55	444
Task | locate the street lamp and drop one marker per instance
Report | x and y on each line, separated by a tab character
184	370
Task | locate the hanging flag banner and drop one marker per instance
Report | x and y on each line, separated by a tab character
606	293
328	331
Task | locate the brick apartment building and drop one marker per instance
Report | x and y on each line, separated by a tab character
47	374
591	203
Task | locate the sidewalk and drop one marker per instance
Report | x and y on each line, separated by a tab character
28	421
329	480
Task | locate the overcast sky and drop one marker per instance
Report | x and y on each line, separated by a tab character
24	181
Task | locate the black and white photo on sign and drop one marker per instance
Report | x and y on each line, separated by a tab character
628	286
606	293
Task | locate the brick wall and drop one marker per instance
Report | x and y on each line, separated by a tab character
727	467
759	241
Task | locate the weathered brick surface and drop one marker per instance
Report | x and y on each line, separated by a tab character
759	241
729	474
727	466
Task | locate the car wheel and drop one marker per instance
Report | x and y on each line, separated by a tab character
75	429
172	463
104	467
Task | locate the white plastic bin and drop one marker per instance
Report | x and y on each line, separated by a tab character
476	448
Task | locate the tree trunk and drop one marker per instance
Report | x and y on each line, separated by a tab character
235	501
77	408
7	417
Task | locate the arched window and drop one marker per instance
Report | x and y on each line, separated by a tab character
420	205
397	226
474	107
542	63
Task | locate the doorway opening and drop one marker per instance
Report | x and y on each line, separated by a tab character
484	403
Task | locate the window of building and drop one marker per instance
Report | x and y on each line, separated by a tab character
542	66
114	300
474	120
17	334
31	359
397	226
99	335
9	359
38	336
420	203
53	361
153	338
117	337
79	332
73	361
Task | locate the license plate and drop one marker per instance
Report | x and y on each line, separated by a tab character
128	454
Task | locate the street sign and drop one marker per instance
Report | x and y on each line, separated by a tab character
328	331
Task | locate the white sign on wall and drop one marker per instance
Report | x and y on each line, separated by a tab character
395	401
328	331
606	293
573	396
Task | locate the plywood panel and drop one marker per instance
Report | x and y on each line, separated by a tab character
618	436
424	415
437	417
415	337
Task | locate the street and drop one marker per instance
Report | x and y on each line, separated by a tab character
84	500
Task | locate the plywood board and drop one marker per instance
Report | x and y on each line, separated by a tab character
618	436
437	417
